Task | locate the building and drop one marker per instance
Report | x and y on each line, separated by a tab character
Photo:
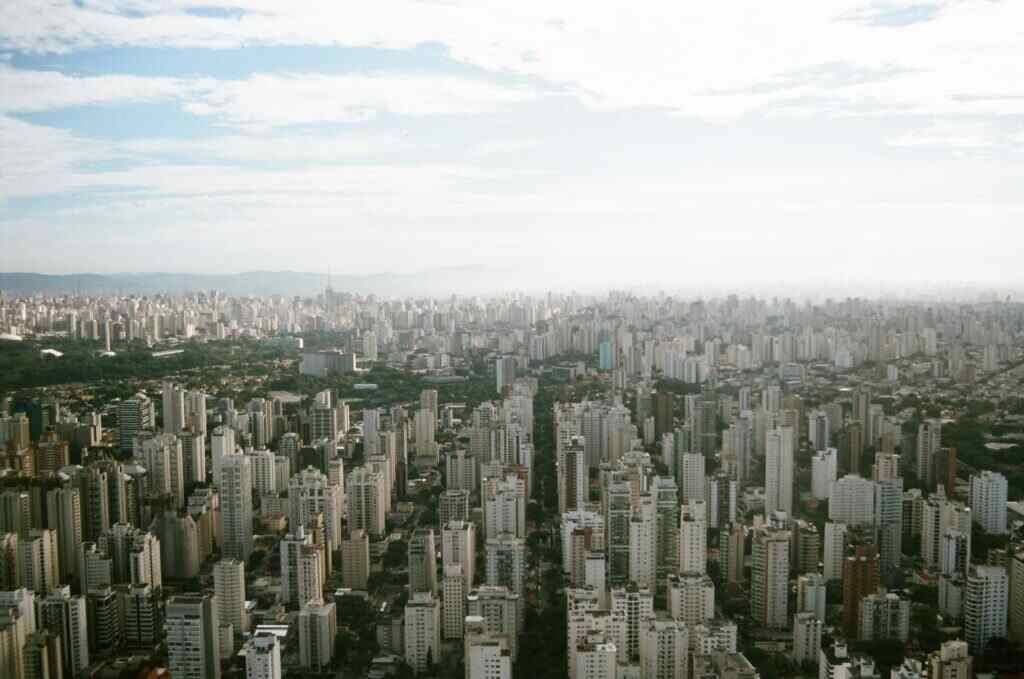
263	657
355	560
318	627
486	656
134	416
852	501
664	648
422	631
778	480
66	617
505	372
985	606
806	637
884	617
769	588
630	606
929	440
834	550
860	579
453	505
367	504
422	556
310	492
691	598
229	587
988	501
458	548
42	656
693	536
506	563
951	661
38	560
236	507
193	644
64	517
500	612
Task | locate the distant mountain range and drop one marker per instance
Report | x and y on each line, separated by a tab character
465	280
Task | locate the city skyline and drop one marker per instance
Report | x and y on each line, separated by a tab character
850	140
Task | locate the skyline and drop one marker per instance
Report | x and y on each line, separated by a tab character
841	141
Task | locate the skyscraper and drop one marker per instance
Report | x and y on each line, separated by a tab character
193	644
263	657
985	606
229	587
988	501
778	491
422	631
422	562
236	507
769	590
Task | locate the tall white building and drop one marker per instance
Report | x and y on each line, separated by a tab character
193	643
367	505
691	485
691	598
65	616
500	611
852	501
458	547
64	515
810	595
505	506
985	606
778	475
806	637
263	657
643	543
486	656
222	444
988	501
630	606
236	507
318	627
355	559
506	563
834	550
229	586
929	440
310	492
664	648
693	536
422	555
291	546
824	470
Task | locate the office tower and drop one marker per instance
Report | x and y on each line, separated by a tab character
630	606
664	648
884	617
64	616
422	631
134	416
769	574
720	491
229	586
173	408
505	506
778	480
39	561
486	656
988	501
323	423
951	661
366	502
505	372
691	598
824	470
693	535
355	559
263	657
806	637
64	517
572	476
193	644
140	607
692	481
309	493
236	507
222	445
103	614
819	430
929	440
985	606
422	562
318	627
860	578
162	457
889	524
193	454
15	512
458	548
453	505
500	611
291	546
852	501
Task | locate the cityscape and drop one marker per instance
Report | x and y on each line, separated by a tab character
451	339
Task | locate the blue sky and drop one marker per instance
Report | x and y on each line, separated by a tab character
608	142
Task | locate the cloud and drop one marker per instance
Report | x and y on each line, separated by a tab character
709	61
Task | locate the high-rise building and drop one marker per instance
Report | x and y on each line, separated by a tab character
486	656
769	590
141	607
65	616
193	643
422	556
806	637
853	501
860	578
64	516
229	587
889	523
572	476
630	606
618	513
162	457
422	631
643	543
458	548
951	661
824	470
985	606
692	481
505	372
236	507
355	559
263	657
310	492
134	416
779	471
691	598
664	648
505	506
884	616
367	505
929	440
811	595
318	627
222	445
988	501
500	611
834	551
506	563
38	557
453	505
693	535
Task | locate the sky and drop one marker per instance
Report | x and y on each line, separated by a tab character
814	142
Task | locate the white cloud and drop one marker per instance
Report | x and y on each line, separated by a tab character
714	61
